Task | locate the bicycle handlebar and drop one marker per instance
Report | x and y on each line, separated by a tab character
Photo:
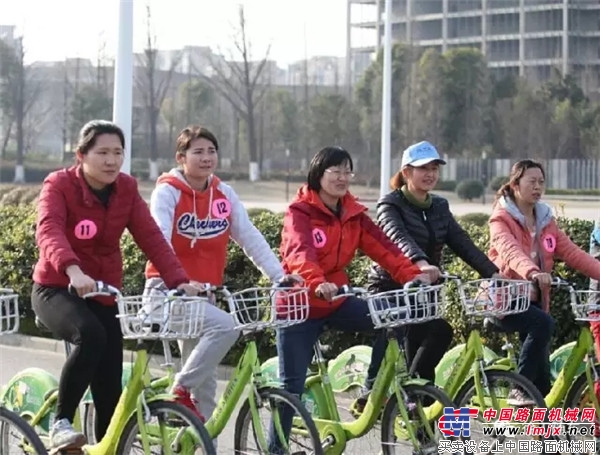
102	289
349	291
558	282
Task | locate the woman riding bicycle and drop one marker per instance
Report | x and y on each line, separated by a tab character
524	240
82	213
420	224
198	214
322	230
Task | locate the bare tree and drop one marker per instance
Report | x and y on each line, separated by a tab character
19	92
239	81
153	85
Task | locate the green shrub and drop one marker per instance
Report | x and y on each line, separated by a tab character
18	254
469	189
497	183
445	185
477	219
257	211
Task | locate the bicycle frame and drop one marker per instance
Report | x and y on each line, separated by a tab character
582	349
132	400
47	406
393	366
247	371
472	353
248	367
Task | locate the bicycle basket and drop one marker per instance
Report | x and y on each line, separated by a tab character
586	305
260	308
495	297
9	311
161	317
402	307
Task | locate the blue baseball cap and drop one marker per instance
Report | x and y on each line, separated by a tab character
420	154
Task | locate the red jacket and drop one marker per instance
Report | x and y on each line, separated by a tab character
74	227
318	245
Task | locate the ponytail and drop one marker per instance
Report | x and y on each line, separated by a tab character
397	181
505	191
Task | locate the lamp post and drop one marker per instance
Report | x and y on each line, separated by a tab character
386	103
123	91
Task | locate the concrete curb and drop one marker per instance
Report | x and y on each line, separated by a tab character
224	372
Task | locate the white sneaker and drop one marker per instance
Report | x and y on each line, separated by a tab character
516	397
62	434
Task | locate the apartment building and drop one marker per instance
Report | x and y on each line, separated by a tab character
522	37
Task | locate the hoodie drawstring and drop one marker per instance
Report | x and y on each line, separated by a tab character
210	201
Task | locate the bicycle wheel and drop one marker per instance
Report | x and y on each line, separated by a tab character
89	423
578	397
500	384
185	432
394	438
304	437
17	436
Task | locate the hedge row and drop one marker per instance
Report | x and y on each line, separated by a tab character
18	254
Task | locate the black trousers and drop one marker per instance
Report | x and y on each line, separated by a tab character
97	359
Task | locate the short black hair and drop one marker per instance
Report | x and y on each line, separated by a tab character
190	133
324	159
91	130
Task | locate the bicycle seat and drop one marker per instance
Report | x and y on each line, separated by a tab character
40	325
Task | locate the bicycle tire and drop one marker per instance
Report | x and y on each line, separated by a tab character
24	428
572	400
130	430
391	411
292	400
525	384
576	389
89	422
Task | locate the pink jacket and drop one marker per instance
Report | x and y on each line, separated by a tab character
513	248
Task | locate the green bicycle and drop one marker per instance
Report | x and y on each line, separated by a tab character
411	413
472	381
16	435
573	388
144	419
255	310
489	385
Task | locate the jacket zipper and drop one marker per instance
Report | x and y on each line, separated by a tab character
431	240
337	260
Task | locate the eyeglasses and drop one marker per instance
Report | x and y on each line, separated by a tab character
338	174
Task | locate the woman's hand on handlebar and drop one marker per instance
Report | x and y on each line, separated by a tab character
327	291
542	279
79	281
422	279
429	274
290	280
190	289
